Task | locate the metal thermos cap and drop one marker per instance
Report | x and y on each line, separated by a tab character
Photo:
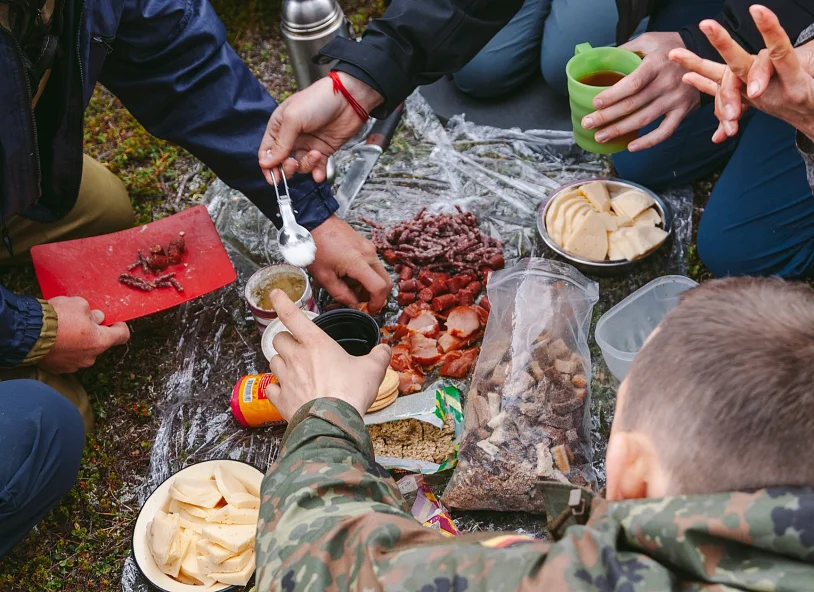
309	16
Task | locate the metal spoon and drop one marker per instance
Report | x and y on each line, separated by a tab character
296	244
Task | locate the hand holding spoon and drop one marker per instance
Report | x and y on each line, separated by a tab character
296	244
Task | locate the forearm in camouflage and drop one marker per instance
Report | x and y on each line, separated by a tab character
332	519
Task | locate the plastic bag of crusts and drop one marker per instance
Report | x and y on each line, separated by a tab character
527	412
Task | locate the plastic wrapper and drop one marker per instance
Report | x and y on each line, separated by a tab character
527	411
425	507
438	406
500	175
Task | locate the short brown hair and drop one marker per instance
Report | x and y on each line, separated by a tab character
726	388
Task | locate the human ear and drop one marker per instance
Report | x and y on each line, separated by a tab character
628	466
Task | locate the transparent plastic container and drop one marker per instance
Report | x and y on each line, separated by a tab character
622	330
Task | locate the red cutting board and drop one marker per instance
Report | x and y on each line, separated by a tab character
90	267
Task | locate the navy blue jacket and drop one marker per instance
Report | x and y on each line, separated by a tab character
169	63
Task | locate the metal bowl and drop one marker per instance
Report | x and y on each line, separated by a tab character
615	186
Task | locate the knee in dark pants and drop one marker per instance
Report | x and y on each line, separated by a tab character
714	252
42	438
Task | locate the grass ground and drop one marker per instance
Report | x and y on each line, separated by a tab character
81	545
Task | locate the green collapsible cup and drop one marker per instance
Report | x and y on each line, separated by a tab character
589	60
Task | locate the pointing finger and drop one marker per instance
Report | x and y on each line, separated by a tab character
294	320
781	51
737	58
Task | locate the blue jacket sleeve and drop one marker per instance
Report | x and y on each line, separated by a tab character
173	69
20	326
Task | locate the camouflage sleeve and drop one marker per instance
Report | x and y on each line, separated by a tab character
332	519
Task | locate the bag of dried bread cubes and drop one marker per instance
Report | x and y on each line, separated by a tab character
527	413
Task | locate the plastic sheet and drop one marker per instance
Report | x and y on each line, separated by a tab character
500	175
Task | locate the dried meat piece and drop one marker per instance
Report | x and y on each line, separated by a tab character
465	297
457	364
136	282
410	381
423	349
463	321
405	298
425	323
443	302
413	310
409	286
483	314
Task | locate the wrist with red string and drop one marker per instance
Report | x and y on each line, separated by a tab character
361	97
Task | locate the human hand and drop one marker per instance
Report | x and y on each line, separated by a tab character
310	365
311	125
778	80
348	267
652	90
81	338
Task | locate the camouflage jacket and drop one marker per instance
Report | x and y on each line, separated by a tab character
331	519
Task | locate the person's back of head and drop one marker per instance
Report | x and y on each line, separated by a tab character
721	398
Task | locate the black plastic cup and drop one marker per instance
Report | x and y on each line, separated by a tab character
355	331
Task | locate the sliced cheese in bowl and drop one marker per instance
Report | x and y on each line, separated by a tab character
638	240
235	537
631	203
238	578
589	239
573	217
597	193
197	492
229	565
231	515
214	552
609	220
649	216
558	223
189	566
556	206
621	247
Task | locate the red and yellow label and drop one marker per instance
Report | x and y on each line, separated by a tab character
249	403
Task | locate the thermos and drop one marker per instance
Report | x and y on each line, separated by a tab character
307	26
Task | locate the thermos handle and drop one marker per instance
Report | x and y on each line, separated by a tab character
582	48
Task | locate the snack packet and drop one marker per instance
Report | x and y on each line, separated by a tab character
419	433
527	412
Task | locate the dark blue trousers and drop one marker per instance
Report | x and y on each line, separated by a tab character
41	441
760	216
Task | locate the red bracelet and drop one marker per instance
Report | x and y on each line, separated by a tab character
340	88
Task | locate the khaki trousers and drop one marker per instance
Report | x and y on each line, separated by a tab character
103	206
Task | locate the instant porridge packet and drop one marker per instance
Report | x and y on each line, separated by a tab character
408	423
527	412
